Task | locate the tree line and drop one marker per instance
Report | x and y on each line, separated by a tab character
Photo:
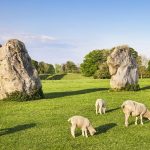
45	68
94	64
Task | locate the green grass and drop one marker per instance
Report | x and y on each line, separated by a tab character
42	124
74	76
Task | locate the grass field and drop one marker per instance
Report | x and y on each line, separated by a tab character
42	124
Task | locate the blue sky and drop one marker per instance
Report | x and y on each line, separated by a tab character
55	31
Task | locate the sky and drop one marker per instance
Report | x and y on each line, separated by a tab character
55	31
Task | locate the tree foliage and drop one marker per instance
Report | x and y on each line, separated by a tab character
45	68
58	69
102	72
92	61
134	52
71	67
142	69
35	64
148	68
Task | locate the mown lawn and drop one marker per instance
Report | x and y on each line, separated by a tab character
42	124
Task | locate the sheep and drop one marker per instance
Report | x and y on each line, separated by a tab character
100	106
82	123
134	109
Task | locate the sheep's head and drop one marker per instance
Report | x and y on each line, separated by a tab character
147	115
91	130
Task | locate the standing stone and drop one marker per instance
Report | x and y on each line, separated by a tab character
123	69
18	79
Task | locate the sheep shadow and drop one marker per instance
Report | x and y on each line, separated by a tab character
104	128
70	93
145	88
145	121
111	110
16	128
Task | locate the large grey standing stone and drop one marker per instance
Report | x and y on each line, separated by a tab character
18	79
123	69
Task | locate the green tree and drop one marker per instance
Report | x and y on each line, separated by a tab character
102	72
45	68
64	68
148	68
92	61
51	69
134	53
58	69
35	64
142	68
71	67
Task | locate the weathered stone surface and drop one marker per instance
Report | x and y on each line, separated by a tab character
123	69
17	76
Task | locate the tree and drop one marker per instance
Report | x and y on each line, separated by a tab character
102	72
58	69
148	68
71	67
45	68
134	53
64	68
51	69
35	64
142	67
92	61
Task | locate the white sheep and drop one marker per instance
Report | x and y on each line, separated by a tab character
100	106
82	123
134	109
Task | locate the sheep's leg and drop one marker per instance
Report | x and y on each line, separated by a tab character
126	119
104	110
73	130
96	109
136	119
85	130
82	131
100	110
141	117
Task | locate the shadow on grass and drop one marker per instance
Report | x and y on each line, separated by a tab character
16	129
69	93
145	88
145	121
56	77
111	110
51	77
104	128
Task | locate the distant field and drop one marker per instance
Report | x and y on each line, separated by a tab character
74	76
42	124
68	76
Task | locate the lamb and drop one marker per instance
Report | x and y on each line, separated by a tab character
100	106
135	109
82	123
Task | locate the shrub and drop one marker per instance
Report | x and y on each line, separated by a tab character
22	96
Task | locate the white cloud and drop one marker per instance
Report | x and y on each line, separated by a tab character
27	38
36	41
43	47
